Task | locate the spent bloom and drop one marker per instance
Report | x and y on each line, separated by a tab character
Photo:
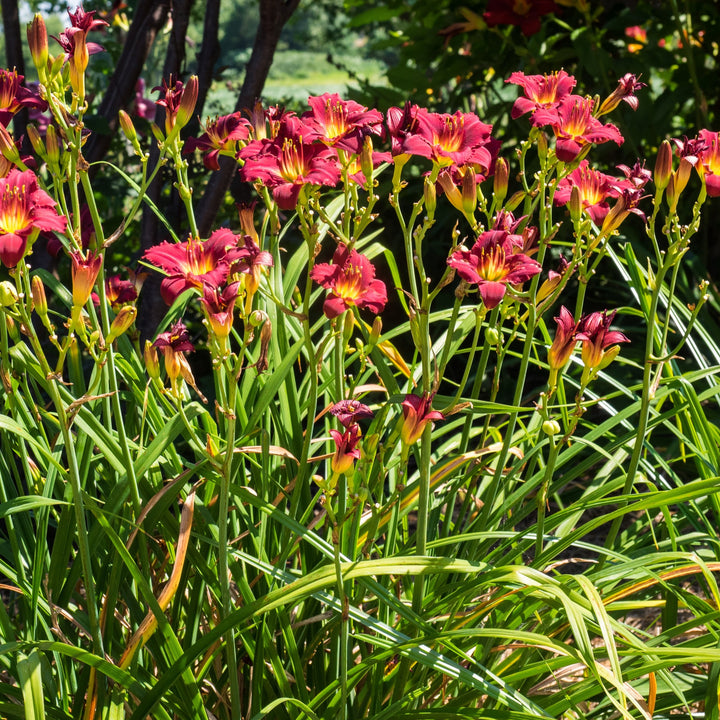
575	127
349	411
25	210
541	91
492	263
417	413
194	263
351	281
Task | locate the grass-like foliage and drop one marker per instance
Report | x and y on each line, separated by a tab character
454	451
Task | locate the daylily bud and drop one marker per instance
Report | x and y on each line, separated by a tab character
53	145
78	64
122	322
152	364
575	204
663	165
84	274
265	335
366	159
127	126
246	213
36	140
682	175
348	326
38	296
542	147
430	196
8	294
257	318
614	219
8	147
450	190
551	427
492	336
375	331
188	102
38	43
157	132
469	192
500	181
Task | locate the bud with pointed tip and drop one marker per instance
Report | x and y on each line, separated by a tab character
187	103
38	296
500	181
38	43
53	144
663	166
469	192
8	147
36	141
122	322
152	364
430	196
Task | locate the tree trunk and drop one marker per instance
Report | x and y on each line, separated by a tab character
149	17
274	14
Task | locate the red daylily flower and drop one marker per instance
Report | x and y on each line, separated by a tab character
575	127
541	91
194	263
594	331
288	162
457	139
565	340
86	21
349	411
628	85
13	96
119	291
594	188
179	100
526	14
220	138
250	260
25	209
346	449
708	162
351	280
401	123
417	413
84	274
174	343
342	124
492	263
218	305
